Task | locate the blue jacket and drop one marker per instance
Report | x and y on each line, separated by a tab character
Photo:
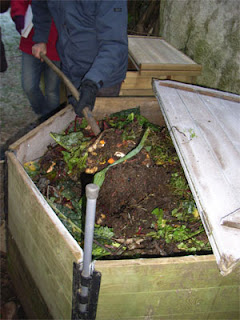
92	40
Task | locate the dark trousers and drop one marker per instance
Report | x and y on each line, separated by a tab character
110	92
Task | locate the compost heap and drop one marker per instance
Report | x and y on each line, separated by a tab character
145	207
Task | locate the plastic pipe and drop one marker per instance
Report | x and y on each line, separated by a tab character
92	191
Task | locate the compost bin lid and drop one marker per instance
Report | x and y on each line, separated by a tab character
154	54
204	126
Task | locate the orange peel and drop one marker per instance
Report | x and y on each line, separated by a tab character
111	160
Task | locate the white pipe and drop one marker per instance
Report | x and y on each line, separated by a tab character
92	191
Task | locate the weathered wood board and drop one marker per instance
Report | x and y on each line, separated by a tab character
204	125
232	220
152	53
153	57
46	247
169	288
161	288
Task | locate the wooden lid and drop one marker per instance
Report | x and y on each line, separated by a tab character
204	126
153	53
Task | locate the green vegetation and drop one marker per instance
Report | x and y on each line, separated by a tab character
175	229
58	177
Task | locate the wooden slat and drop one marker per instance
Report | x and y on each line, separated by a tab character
106	106
143	80
232	220
202	91
169	288
210	160
44	243
136	93
169	67
153	53
171	72
34	144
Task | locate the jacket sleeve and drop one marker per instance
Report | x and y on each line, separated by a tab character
111	25
19	7
41	21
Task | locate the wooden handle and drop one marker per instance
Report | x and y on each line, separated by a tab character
91	121
86	111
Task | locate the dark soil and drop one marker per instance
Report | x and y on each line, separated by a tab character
130	192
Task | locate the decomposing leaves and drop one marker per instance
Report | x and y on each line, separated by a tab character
145	205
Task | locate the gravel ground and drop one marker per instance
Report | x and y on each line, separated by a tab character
16	114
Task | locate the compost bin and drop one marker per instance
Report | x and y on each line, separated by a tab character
42	252
154	57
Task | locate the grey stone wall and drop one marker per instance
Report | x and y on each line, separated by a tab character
208	31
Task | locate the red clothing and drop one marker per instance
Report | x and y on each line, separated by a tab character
19	8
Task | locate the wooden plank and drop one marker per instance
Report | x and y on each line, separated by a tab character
157	73
135	80
34	144
203	91
227	114
132	289
232	220
136	93
169	67
210	161
106	106
44	257
149	52
44	243
172	303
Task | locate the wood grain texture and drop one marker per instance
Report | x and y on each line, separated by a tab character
205	131
156	53
162	288
46	246
168	288
232	220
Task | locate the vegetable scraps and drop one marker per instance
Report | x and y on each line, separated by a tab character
127	140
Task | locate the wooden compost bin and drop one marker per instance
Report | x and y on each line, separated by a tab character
153	57
41	251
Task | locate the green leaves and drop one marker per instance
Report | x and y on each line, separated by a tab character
76	146
69	141
179	184
176	232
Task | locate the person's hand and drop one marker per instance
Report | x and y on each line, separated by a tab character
88	92
19	23
38	48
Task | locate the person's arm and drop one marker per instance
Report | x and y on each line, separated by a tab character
18	10
111	23
42	23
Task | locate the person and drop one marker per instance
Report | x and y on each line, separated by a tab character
42	103
4	6
92	44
